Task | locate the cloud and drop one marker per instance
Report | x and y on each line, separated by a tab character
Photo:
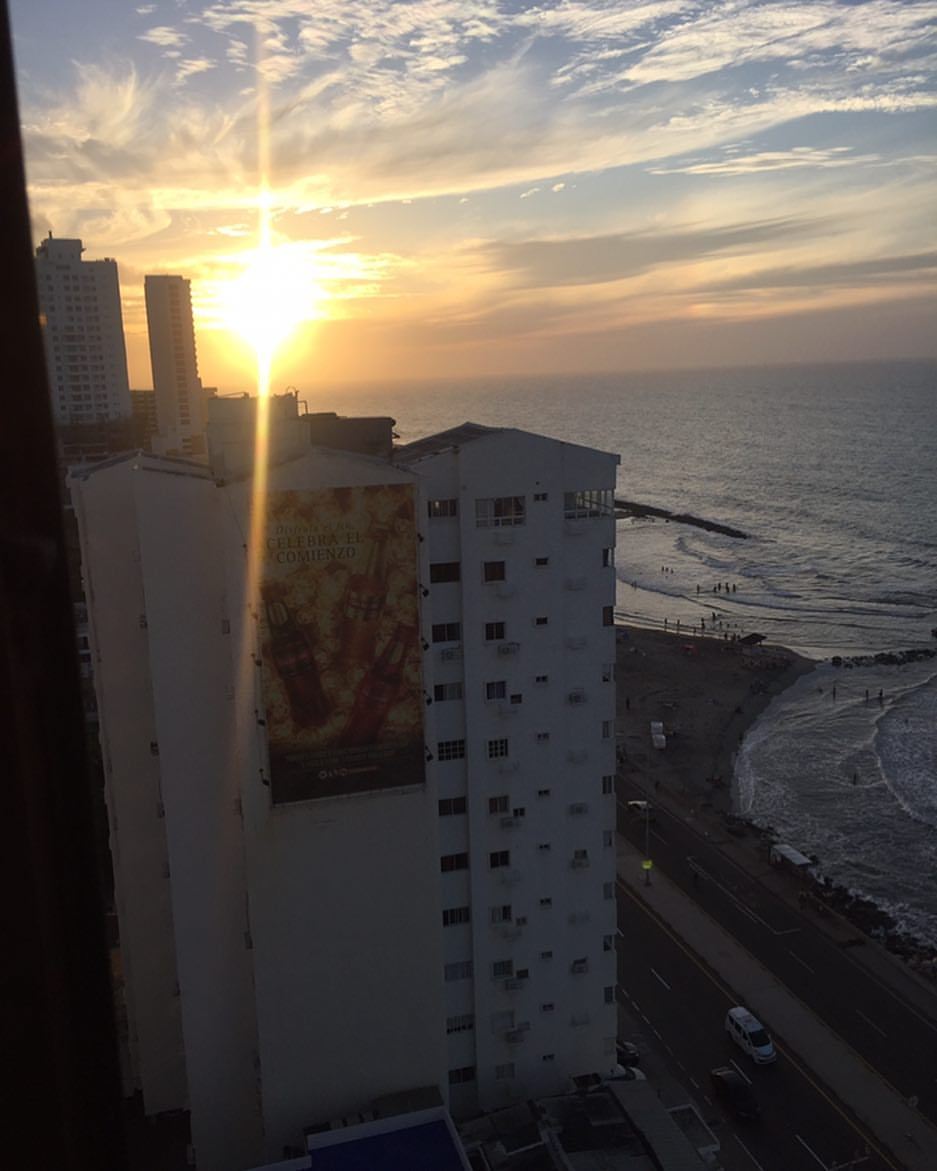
593	260
795	158
192	66
849	274
165	37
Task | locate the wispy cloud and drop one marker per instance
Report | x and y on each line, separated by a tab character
164	36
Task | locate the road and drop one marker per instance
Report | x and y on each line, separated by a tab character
893	1037
684	1006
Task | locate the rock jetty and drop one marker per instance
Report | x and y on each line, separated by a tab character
626	508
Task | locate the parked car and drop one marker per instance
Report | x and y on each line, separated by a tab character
628	1054
642	809
750	1035
732	1089
621	1073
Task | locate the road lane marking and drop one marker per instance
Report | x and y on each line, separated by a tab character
803	963
748	1152
733	898
811	1151
738	1069
655	973
694	1081
871	1024
870	1139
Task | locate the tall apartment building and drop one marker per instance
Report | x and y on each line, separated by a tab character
86	359
346	866
521	536
180	399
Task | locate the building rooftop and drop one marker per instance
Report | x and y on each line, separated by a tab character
443	441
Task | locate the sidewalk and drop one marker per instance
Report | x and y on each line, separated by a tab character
901	1130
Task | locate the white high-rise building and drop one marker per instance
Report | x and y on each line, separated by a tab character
180	399
86	359
346	866
521	536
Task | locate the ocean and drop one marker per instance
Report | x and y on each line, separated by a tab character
831	470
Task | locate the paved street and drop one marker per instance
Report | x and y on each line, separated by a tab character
684	1006
894	1037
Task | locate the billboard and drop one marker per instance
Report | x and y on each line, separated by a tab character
340	641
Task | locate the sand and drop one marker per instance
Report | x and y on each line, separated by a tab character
707	692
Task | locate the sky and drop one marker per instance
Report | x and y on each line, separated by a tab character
474	187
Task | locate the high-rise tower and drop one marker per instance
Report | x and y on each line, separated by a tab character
180	399
84	334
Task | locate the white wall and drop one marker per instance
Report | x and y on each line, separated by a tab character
343	903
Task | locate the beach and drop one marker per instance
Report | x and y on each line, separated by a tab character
706	692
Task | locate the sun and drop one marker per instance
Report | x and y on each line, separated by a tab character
274	293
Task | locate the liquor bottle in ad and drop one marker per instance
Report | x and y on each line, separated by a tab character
364	601
292	654
378	689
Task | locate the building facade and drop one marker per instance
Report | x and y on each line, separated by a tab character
86	358
181	413
434	905
521	536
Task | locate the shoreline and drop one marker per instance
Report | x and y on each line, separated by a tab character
708	693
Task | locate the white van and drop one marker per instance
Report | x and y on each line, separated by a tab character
750	1035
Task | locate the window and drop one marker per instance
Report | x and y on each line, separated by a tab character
609	992
500	511
548	1057
548	1006
497	749
546	902
493	571
499	858
496	690
541	561
581	855
460	970
608	616
502	914
453	862
540	496
608	558
459	1076
608	672
591	502
606	729
541	620
447	631
543	847
546	955
450	749
608	838
517	697
608	785
494	631
437	508
543	792
502	969
608	943
540	680
542	737
463	1023
519	811
451	805
444	691
608	890
504	1072
452	916
441	571
498	804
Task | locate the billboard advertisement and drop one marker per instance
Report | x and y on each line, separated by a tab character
340	641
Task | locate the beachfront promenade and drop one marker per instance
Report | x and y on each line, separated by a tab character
898	1136
719	925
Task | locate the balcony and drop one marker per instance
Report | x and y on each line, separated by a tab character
508	648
